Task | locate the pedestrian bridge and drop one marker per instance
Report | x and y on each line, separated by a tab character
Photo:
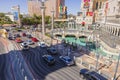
74	33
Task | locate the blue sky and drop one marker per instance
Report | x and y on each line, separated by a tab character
5	5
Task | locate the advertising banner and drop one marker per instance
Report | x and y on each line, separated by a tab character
89	13
86	3
15	13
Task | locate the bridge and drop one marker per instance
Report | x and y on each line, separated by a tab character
74	33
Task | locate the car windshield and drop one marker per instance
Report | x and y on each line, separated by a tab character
50	58
68	60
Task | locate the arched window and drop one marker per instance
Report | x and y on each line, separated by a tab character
96	5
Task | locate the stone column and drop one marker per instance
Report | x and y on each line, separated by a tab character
43	19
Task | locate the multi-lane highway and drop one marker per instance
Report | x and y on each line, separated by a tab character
29	65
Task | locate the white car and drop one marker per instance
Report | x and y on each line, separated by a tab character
25	46
42	44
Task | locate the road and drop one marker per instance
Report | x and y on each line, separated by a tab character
29	65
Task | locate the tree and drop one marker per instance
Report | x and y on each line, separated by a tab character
47	19
4	19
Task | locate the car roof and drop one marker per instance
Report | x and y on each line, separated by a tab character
66	57
49	57
97	75
84	70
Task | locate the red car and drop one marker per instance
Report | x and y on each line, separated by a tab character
23	34
34	39
18	40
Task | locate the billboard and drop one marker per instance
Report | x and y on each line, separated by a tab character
15	13
86	3
89	13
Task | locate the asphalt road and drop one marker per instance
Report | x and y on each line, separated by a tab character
29	65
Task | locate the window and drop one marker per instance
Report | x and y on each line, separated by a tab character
113	9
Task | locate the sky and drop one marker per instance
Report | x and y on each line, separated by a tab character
5	5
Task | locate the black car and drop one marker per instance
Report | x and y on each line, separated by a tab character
52	50
90	75
48	59
10	38
17	35
19	30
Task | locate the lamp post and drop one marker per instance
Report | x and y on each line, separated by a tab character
116	69
97	53
43	17
52	25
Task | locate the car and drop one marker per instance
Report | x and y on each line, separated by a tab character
23	34
29	42
17	35
10	38
29	36
90	75
18	40
25	46
67	60
34	39
19	30
52	50
42	44
48	59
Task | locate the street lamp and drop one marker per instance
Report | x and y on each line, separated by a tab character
117	65
52	25
43	16
97	53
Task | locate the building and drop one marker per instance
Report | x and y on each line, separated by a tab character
10	15
85	17
57	5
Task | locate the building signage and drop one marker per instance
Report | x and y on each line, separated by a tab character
15	13
89	13
86	3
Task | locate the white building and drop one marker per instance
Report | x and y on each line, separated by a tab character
10	15
86	16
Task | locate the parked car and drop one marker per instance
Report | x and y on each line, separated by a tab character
48	59
52	50
18	40
42	44
67	60
90	75
24	46
34	39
